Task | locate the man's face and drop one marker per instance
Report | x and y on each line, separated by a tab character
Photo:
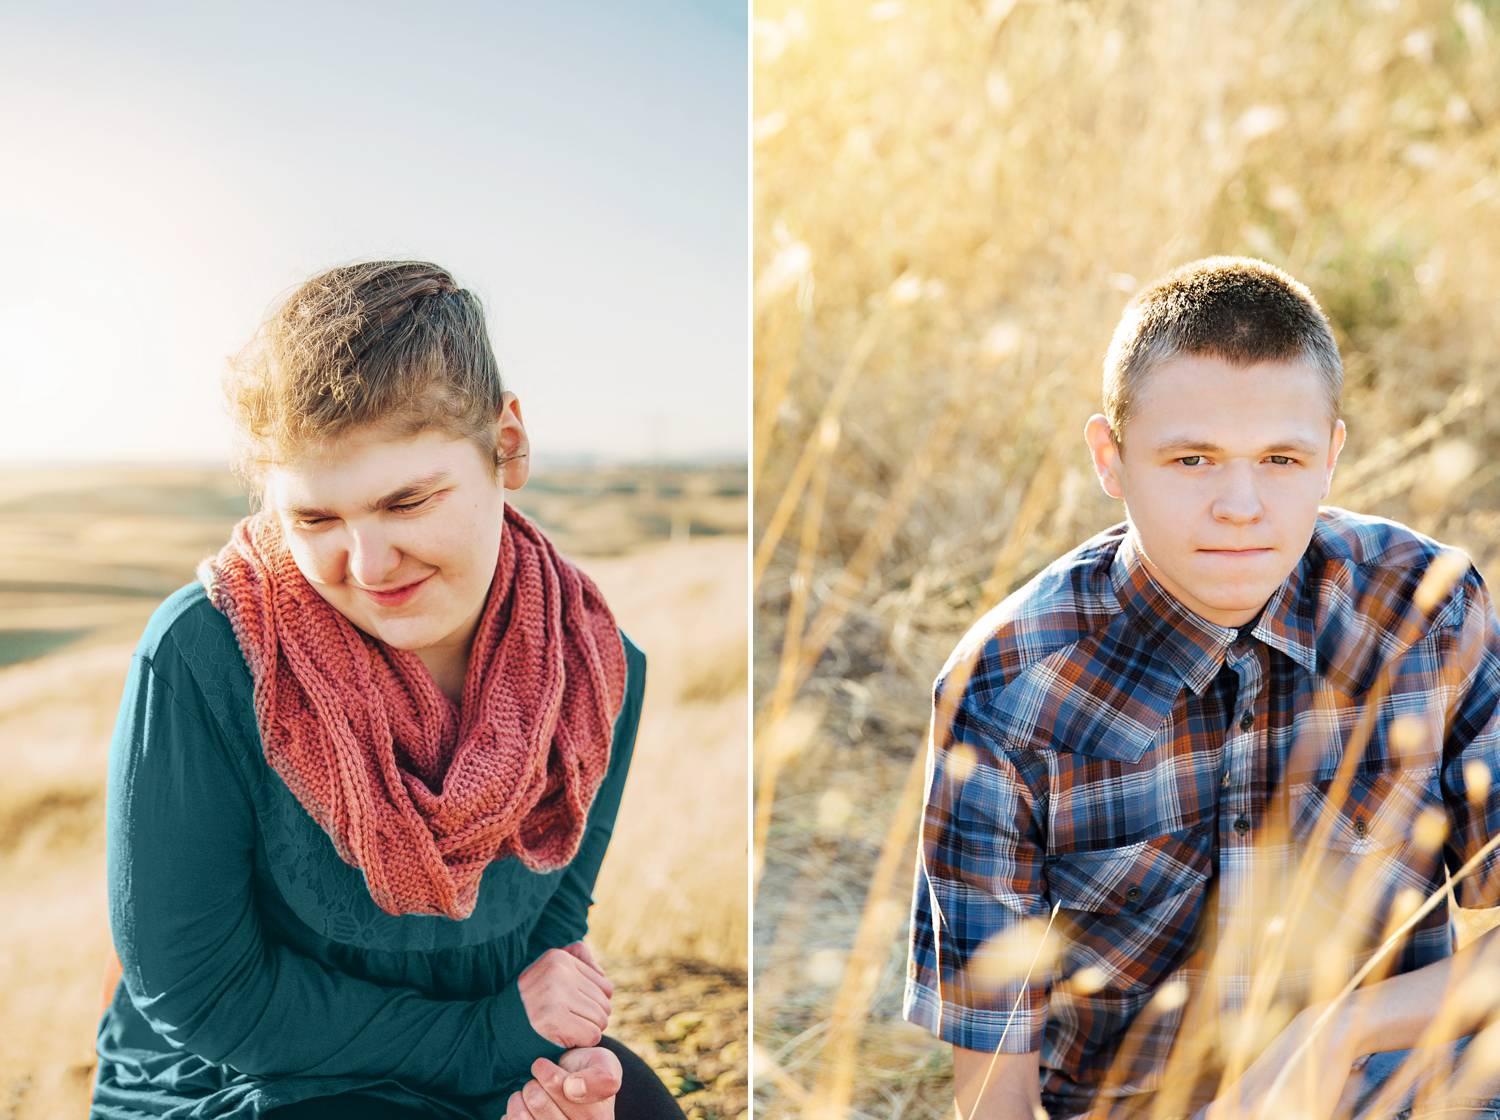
1222	472
436	522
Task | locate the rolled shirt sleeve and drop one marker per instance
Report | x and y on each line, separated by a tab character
979	877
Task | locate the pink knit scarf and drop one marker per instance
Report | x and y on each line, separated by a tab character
419	793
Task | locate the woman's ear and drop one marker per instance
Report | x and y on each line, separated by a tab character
512	444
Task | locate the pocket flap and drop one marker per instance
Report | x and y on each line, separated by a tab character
1377	811
1133	877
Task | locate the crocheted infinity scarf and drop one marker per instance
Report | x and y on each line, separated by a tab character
419	793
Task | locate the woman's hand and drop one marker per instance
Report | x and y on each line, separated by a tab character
566	996
581	950
581	1086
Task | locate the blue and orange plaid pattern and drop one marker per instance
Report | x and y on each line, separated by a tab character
1102	754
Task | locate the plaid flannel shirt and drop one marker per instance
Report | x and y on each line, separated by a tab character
1116	756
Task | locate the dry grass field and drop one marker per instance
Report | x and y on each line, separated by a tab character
953	201
86	554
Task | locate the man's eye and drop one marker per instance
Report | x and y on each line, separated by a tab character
310	522
1286	460
1184	460
406	507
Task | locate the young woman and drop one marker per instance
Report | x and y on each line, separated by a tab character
366	767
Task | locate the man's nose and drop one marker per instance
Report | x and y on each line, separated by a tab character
373	557
1238	500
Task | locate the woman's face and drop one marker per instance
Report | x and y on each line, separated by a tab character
419	516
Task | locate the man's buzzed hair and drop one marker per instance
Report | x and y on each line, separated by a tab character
1238	309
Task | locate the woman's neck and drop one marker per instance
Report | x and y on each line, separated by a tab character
448	669
448	661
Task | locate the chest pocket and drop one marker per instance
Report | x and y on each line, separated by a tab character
1370	852
1132	912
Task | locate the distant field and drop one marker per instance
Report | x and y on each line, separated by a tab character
85	556
87	552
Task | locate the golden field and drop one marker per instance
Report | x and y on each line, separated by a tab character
953	202
87	553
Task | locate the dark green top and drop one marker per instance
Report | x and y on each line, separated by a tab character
257	970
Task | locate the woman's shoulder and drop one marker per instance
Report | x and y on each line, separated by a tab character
189	644
635	664
187	628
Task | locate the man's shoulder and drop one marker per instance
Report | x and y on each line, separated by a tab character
1069	599
1375	567
1343	536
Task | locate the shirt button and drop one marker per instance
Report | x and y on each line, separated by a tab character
1247	721
1133	894
1241	825
1224	781
1360	828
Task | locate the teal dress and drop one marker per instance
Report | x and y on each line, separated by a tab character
257	970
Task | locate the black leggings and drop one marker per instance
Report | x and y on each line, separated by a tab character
642	1096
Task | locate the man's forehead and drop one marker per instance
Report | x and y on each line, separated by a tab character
1193	400
1306	440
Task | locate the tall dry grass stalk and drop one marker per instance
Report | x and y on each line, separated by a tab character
953	202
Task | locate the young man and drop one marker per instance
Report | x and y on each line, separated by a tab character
1129	754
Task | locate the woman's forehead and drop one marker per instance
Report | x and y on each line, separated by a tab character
368	467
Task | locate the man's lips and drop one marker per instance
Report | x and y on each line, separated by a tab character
1235	551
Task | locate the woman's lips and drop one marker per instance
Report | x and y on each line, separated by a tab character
398	596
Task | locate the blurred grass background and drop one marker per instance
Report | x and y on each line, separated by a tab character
86	554
953	201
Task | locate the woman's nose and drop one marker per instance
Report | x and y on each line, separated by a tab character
373	558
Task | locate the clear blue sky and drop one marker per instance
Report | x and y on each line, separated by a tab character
171	169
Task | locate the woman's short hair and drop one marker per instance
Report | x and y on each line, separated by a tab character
1238	309
395	345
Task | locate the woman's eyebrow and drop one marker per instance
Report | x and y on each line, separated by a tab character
402	492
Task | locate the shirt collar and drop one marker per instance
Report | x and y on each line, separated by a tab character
1194	647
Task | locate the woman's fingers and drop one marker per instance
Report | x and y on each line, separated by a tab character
587	1085
594	973
593	985
592	1005
556	990
581	950
515	1108
541	1104
581	1026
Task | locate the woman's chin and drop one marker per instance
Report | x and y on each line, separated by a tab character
396	633
406	635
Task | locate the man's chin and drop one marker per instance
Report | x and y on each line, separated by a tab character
1241	601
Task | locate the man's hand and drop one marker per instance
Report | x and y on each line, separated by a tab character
581	1085
566	996
1316	1084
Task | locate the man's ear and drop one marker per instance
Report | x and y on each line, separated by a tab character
1105	454
1335	445
512	444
